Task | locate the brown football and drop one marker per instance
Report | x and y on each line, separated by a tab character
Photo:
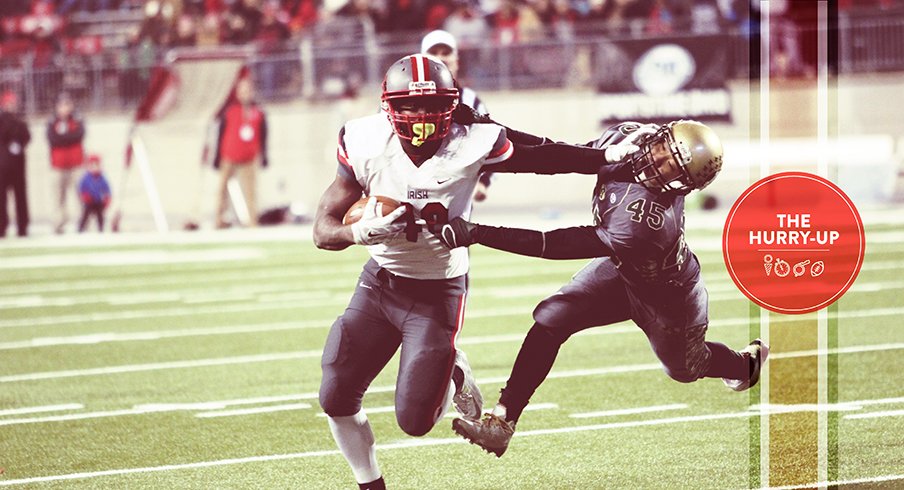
354	213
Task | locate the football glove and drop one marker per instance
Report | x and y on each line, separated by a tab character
620	152
374	228
457	233
640	133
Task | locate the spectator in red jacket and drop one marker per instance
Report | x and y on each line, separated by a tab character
94	191
241	147
65	133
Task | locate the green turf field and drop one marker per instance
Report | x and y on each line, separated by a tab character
196	365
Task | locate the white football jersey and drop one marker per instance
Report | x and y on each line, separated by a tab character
443	184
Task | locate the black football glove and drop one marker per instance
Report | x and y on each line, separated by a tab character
457	233
465	114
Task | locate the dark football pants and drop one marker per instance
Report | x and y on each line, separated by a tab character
675	325
386	311
12	177
95	209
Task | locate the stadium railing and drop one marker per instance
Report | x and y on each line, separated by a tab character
339	57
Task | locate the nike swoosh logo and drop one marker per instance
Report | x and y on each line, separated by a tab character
371	234
443	181
365	286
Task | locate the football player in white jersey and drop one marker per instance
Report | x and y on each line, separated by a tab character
412	292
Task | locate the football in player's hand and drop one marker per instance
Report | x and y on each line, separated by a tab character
354	213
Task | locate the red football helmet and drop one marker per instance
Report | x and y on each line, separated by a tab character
419	95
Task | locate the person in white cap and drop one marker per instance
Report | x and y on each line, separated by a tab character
442	45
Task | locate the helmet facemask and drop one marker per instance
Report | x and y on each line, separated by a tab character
421	118
661	164
680	157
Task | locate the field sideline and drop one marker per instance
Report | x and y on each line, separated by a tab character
188	363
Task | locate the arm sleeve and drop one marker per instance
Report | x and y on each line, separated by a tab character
522	138
551	158
579	242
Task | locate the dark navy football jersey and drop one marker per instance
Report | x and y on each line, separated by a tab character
644	229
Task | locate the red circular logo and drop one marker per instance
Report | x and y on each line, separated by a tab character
793	243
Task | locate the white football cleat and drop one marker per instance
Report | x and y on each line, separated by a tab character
467	399
756	352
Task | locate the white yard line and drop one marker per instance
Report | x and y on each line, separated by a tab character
103	337
874	415
533	407
777	408
382	447
629	368
879	401
41	409
840	483
159	313
281	273
720	290
493	270
77	416
252	411
414	443
840	350
628	411
158	366
118	258
219	361
315	299
286	276
451	413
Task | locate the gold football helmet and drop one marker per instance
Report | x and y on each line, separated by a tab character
680	157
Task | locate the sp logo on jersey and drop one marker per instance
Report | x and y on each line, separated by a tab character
422	131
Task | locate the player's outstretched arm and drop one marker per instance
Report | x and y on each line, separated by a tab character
561	158
578	242
329	232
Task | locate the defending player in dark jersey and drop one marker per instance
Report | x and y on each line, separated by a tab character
643	271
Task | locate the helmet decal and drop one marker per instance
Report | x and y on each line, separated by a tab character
420	68
415	88
422	131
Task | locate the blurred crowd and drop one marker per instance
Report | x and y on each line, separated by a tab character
45	27
91	47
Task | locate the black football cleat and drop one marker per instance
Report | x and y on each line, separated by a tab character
756	353
492	433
